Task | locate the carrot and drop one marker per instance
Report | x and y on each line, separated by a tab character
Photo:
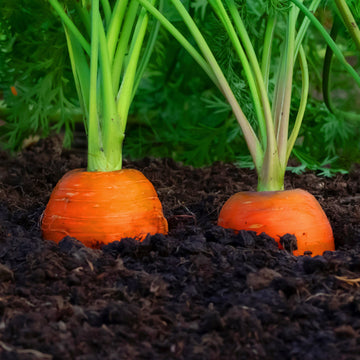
100	207
105	203
277	213
271	140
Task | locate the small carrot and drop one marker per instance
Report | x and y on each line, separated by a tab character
14	91
100	207
277	213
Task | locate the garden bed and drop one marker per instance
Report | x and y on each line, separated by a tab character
200	292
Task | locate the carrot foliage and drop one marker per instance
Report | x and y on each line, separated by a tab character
34	60
108	51
269	78
177	111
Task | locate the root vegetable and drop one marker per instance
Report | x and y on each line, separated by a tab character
100	207
277	213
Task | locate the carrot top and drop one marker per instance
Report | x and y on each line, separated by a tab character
108	55
270	143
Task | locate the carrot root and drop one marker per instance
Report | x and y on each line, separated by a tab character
100	207
277	213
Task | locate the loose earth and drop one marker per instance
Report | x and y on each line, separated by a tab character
201	292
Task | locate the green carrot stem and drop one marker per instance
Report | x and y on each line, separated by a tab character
305	25
329	40
271	175
114	27
105	106
112	137
107	10
303	102
265	120
145	58
85	17
94	141
181	39
349	21
80	69
327	66
284	88
122	47
266	54
249	66
71	26
126	89
326	88
251	139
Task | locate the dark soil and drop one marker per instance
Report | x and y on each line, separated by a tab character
200	292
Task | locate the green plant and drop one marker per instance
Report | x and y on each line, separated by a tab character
268	148
271	141
33	59
271	209
177	112
177	115
330	132
108	59
343	19
108	51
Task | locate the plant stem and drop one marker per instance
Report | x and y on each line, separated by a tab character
329	40
349	21
112	136
126	90
113	54
251	139
85	17
107	10
305	25
181	39
303	102
266	119
271	175
266	55
283	89
94	142
80	69
72	28
145	58
327	66
250	66
114	27
122	47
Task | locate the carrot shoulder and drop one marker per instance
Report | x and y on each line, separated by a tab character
100	207
277	213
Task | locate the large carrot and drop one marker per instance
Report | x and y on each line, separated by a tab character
270	142
108	57
100	207
277	213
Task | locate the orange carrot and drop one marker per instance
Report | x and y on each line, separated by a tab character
277	213
100	207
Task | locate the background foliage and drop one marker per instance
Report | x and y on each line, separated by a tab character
177	112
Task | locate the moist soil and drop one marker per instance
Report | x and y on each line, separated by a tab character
200	292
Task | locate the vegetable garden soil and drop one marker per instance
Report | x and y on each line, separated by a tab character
201	292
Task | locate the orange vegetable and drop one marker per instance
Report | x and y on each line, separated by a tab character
100	207
277	213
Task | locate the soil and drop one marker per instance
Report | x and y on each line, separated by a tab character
201	292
